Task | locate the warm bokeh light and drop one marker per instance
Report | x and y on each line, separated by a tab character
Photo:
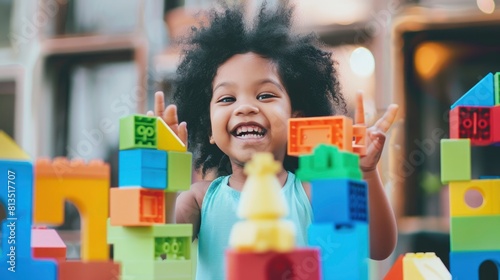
362	62
429	58
486	6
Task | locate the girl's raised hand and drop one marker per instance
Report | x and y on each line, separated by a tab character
375	135
169	116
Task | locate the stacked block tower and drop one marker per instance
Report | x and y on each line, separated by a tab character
152	162
339	196
475	230
263	245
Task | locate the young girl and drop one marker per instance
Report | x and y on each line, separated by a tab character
237	87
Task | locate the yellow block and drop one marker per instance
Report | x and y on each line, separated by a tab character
90	195
490	191
263	236
424	266
9	149
166	139
261	197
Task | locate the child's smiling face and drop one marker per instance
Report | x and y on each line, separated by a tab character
250	108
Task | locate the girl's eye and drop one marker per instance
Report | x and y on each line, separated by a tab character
226	100
265	96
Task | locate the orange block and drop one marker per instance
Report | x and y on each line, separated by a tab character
96	270
306	133
396	272
46	243
136	207
87	187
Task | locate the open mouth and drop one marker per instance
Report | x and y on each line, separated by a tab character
249	132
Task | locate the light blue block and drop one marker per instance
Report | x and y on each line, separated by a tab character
482	94
339	201
465	265
17	200
142	158
344	251
146	178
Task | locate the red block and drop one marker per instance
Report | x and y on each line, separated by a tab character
46	243
95	270
473	122
303	264
396	272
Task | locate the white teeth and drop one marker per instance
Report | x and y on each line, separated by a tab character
249	131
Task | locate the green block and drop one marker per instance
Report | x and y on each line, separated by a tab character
475	233
496	80
137	132
455	160
327	162
157	270
151	242
179	171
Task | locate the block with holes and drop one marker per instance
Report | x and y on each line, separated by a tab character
339	201
462	194
136	206
327	162
157	242
472	122
474	265
306	133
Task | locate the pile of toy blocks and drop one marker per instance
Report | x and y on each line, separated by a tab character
152	162
475	229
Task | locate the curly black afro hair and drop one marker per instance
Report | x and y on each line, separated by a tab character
307	72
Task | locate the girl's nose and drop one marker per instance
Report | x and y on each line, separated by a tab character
246	108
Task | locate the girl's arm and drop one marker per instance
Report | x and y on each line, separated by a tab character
188	206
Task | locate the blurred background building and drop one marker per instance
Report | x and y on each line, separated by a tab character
69	69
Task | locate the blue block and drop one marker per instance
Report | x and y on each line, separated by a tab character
465	265
146	178
17	200
344	251
142	158
30	269
482	94
339	201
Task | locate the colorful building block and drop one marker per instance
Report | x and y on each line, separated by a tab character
179	171
142	158
148	178
300	263
27	268
136	207
87	187
95	270
306	133
480	94
475	233
497	88
476	123
151	242
9	148
396	271
466	265
138	131
263	205
167	140
490	191
424	266
157	270
47	244
339	201
455	160
344	250
327	162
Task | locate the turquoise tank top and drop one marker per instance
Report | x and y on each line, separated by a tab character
218	215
